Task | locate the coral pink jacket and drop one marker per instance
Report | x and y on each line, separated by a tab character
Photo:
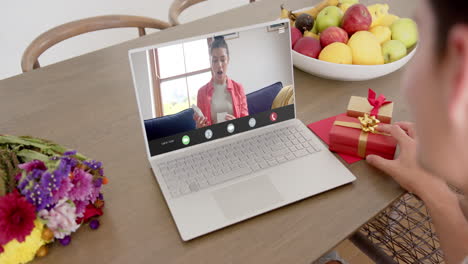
239	101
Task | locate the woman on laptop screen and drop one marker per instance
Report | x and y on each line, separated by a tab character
221	99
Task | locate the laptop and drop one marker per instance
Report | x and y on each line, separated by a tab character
218	116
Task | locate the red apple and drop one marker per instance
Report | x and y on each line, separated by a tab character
308	46
295	35
333	34
357	18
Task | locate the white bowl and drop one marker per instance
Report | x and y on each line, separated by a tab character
346	72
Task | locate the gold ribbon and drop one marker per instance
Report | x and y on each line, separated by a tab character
368	124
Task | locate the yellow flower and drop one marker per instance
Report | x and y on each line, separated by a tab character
18	253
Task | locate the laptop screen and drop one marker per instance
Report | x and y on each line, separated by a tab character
194	91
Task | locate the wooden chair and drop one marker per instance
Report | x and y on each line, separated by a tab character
178	6
53	36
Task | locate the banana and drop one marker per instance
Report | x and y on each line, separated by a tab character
311	34
345	4
316	9
378	11
285	13
344	7
388	20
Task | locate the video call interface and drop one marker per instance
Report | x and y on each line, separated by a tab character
202	90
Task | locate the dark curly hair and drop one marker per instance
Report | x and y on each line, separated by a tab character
219	42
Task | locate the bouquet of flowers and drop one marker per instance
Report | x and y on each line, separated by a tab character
46	193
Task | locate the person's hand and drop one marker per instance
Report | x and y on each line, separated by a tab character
229	117
200	121
404	169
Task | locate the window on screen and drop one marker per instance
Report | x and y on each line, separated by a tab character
182	69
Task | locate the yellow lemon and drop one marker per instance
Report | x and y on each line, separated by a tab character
365	48
382	33
337	53
378	12
388	20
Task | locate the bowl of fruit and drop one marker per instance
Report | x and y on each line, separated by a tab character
348	41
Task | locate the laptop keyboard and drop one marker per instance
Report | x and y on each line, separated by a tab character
226	162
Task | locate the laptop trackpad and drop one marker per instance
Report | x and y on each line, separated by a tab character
247	197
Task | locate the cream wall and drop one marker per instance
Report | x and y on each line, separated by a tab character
259	58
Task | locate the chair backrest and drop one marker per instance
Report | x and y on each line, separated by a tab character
78	27
178	6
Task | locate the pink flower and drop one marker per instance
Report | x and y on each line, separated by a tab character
63	190
61	219
34	164
80	207
16	218
82	185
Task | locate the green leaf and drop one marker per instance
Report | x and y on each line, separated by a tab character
3	183
13	140
8	170
30	155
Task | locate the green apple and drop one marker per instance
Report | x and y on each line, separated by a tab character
330	16
406	31
393	50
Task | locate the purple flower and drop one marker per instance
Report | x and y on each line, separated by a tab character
92	164
35	164
48	181
63	190
97	183
63	169
37	187
82	185
96	189
65	241
69	161
80	207
94	224
69	153
39	196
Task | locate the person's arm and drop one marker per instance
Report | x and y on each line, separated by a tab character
449	221
443	204
199	120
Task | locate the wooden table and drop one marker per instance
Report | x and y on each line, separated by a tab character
88	103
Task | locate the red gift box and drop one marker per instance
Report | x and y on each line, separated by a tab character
347	136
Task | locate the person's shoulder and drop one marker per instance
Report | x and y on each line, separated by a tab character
236	85
204	88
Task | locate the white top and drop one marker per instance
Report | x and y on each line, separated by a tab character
221	102
465	261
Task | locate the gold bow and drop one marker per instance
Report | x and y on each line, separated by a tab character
368	124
